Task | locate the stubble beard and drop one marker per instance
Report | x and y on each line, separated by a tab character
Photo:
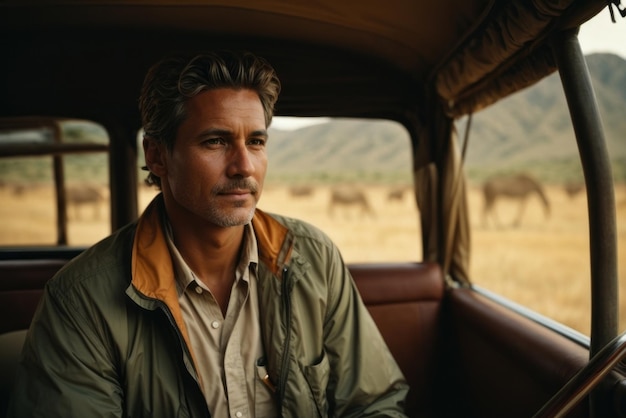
230	217
226	219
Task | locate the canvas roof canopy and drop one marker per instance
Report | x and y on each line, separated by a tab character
342	58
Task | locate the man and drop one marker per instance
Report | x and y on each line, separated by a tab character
207	306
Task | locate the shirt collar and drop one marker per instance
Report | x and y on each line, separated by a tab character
184	275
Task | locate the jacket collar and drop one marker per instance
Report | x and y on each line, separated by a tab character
274	240
152	268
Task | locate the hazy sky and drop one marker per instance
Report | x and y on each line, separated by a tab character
599	34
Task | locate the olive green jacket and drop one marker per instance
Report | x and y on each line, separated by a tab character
108	338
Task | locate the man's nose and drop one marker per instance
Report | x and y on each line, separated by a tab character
240	163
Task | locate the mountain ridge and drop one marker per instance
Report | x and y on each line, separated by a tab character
531	126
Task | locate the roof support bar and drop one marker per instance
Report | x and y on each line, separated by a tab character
585	380
122	172
600	197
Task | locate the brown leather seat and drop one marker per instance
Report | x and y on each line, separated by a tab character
21	286
10	349
405	301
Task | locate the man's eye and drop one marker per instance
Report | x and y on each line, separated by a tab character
257	142
213	141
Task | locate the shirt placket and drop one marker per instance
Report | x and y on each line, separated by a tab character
234	367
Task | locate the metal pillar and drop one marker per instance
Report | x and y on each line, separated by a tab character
600	199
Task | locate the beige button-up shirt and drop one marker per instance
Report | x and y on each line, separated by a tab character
228	350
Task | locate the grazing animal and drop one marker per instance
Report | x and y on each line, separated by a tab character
572	188
78	196
396	193
301	191
19	189
520	187
349	197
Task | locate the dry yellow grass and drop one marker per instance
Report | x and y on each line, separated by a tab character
543	264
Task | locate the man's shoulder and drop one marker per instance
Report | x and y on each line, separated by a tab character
300	228
109	257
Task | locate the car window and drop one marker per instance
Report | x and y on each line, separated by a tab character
529	218
30	213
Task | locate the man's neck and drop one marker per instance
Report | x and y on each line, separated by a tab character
213	255
210	252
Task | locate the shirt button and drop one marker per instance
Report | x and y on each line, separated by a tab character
198	290
216	325
238	414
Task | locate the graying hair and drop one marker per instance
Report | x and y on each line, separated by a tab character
171	82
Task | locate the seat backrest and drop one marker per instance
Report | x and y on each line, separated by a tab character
10	349
404	300
21	287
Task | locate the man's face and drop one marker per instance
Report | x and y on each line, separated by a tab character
217	166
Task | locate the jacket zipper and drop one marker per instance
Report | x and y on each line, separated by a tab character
166	311
181	340
170	318
284	369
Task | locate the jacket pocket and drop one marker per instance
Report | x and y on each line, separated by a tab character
317	376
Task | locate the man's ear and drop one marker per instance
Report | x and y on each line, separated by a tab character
155	156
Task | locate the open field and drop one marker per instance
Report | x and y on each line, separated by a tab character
543	264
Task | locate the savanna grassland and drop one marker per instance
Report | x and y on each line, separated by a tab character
542	264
